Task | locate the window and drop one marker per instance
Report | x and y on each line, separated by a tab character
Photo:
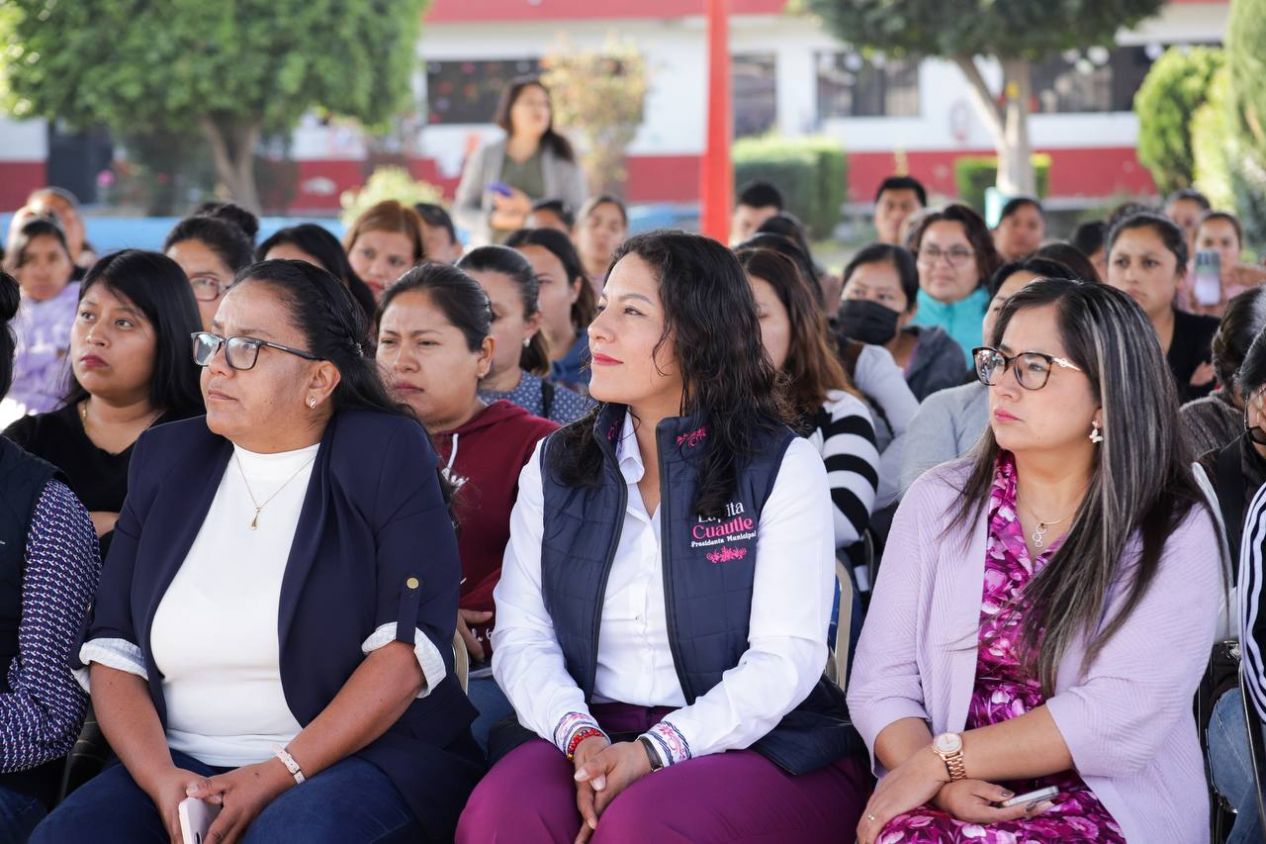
754	82
469	91
851	85
1095	80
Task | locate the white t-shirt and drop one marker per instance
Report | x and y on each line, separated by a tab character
214	636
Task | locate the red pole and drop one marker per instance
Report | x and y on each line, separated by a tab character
716	183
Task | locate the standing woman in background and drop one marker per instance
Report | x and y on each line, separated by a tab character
504	177
42	264
130	370
48	573
211	248
601	226
520	358
567	302
384	242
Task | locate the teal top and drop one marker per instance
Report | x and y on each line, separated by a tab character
960	320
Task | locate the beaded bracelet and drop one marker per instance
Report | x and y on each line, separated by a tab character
579	736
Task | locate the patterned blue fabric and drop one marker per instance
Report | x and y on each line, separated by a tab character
41	715
567	407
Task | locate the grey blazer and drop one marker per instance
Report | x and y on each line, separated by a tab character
471	208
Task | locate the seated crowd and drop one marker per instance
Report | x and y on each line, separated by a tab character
573	535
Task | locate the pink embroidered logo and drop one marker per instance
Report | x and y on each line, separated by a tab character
726	554
693	438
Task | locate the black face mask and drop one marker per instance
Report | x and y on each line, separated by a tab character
867	321
1255	433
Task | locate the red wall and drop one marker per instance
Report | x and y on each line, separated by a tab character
17	180
489	11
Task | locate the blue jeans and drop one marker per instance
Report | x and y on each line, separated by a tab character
351	801
493	706
19	813
1232	766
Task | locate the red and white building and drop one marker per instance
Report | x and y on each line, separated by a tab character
790	76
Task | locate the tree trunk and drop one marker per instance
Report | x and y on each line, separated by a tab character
1007	124
233	150
1015	156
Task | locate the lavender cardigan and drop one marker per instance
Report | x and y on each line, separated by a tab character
1128	722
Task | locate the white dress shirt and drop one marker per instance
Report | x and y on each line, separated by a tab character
792	596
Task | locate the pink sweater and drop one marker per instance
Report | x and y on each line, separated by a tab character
1128	722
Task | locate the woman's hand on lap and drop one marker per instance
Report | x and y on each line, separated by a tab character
906	787
242	794
167	791
608	773
973	801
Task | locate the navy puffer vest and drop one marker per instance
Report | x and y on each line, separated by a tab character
708	570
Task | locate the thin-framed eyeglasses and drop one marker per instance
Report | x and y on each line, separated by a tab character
239	352
1031	373
954	256
207	288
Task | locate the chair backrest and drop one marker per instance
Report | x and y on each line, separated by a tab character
837	670
1256	745
461	661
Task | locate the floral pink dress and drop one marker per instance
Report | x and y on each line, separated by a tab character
1002	692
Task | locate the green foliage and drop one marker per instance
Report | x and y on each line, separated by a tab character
386	183
974	174
812	173
598	96
1246	33
1175	89
164	65
1016	28
1210	128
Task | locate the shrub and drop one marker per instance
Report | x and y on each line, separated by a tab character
975	174
812	173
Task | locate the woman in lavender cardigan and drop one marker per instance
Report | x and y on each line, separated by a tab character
1046	607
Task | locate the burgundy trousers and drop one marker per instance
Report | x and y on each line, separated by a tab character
737	796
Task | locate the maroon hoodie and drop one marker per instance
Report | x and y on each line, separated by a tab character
483	460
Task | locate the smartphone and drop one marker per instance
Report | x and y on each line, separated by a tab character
1208	277
1032	797
196	817
501	188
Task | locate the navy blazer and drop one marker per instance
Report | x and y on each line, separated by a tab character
373	524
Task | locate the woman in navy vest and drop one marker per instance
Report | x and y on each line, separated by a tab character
274	625
665	595
48	572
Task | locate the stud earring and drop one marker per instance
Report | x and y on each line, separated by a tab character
312	402
1095	436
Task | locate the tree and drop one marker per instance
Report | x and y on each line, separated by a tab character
230	71
1246	64
1014	32
598	97
1176	87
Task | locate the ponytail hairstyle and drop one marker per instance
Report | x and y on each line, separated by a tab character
333	325
502	259
586	304
227	230
324	247
10	298
460	298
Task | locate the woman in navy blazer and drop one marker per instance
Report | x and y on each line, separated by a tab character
367	598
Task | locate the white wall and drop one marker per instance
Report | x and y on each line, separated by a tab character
23	140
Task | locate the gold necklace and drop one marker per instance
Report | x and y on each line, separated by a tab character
83	415
259	507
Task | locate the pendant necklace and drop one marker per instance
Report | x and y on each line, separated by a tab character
259	507
1038	537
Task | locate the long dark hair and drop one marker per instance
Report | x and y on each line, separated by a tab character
1242	322
812	368
10	298
899	258
155	284
586	304
318	242
978	235
502	259
729	384
333	326
1141	481
552	139
459	296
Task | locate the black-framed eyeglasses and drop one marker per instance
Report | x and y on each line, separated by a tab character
1031	373
954	256
207	288
239	352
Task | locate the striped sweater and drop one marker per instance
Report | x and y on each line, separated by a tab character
843	434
